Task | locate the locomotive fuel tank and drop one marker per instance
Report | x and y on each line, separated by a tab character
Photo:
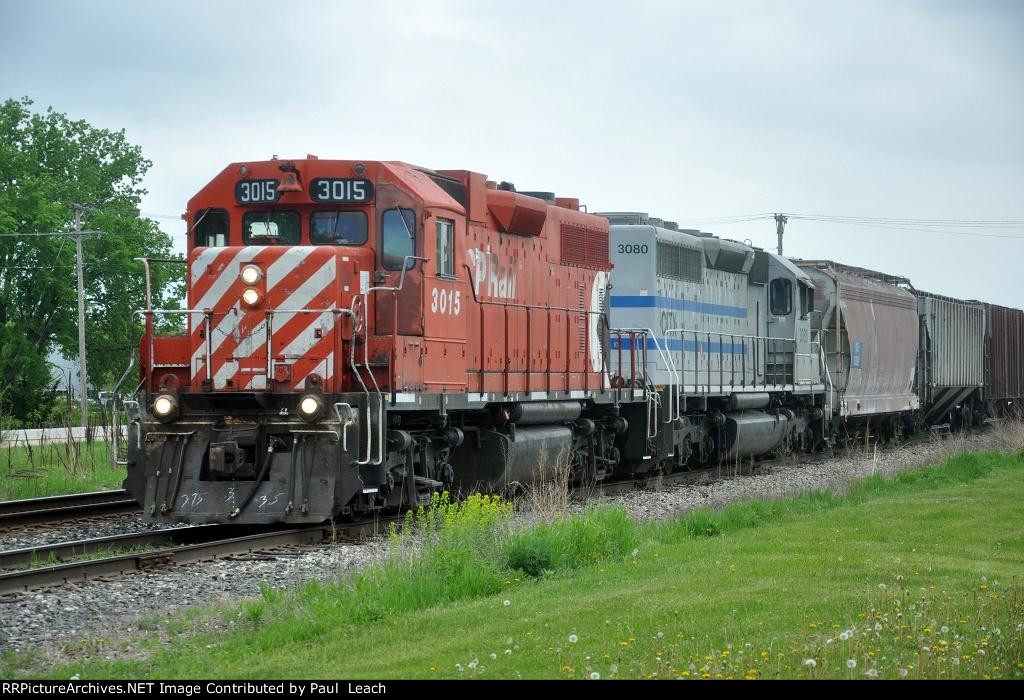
491	461
753	433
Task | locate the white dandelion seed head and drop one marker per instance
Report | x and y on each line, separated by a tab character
984	579
493	656
507	602
944	629
981	651
474	663
613	668
878	627
458	667
996	631
811	663
508	640
661	635
871	673
904	672
595	676
844	635
573	639
955	660
882	586
851	663
508	651
75	677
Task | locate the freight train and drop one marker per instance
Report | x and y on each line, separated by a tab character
360	335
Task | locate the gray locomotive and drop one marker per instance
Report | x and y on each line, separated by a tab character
751	352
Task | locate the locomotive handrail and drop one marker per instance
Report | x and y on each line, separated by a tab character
366	360
732	340
667	357
207	315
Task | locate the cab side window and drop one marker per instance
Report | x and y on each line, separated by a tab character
806	300
780	296
211	228
398	238
445	247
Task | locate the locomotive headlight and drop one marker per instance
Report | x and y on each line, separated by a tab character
310	407
251	297
165	406
251	274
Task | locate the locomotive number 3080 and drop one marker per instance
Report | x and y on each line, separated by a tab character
445	301
633	249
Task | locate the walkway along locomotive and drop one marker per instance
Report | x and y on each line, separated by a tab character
362	334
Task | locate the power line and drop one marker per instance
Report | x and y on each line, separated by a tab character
895	226
51	234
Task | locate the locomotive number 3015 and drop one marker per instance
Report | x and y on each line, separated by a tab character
445	301
340	189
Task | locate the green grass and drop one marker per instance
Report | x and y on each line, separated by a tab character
51	470
899	577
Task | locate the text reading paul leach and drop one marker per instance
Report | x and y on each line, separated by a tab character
291	688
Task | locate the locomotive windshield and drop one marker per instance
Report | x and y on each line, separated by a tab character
271	228
338	228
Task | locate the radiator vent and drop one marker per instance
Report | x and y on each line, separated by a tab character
584	247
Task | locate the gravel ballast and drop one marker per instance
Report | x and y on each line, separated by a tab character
48	619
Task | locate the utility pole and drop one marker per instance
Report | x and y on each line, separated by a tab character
78	233
780	227
82	376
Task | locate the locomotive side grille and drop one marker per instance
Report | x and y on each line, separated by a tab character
582	325
584	247
678	262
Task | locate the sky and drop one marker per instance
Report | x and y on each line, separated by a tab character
698	112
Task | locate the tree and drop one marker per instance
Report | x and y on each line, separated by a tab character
48	163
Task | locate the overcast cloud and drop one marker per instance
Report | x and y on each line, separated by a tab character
688	111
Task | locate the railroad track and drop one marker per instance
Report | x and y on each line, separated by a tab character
32	568
35	511
49	565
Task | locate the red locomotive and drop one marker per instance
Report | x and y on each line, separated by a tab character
351	323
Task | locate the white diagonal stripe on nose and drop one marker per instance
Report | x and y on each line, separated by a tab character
282	267
312	286
305	339
224	281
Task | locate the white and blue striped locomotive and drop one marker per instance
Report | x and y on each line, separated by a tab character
728	335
